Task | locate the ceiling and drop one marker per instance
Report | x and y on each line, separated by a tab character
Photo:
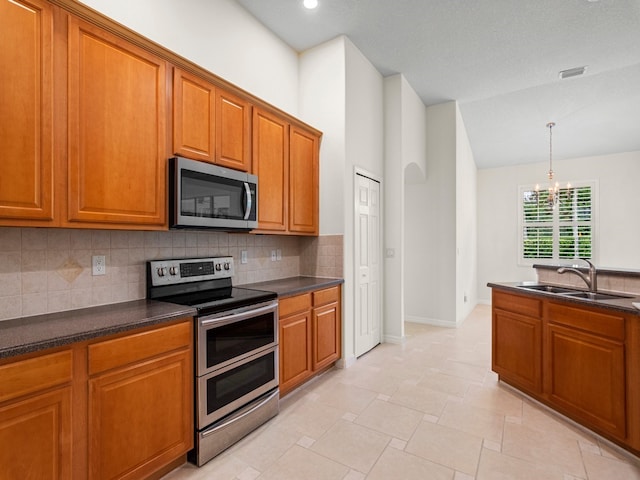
500	60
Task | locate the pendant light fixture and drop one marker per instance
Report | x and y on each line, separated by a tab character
553	191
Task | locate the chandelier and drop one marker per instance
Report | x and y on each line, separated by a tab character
553	191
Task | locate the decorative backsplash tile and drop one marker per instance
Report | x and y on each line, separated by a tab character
45	270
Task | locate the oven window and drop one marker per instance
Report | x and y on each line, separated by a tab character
238	338
233	384
210	196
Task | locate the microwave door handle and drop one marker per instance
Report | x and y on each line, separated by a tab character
247	196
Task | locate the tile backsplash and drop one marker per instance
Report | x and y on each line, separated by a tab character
45	270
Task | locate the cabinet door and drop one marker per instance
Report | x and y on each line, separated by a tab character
303	182
517	349
586	378
194	103
116	127
26	112
326	335
270	154
140	417
233	132
295	350
35	437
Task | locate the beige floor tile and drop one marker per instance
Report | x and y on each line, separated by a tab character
310	418
420	398
543	448
394	464
469	424
606	468
262	449
467	371
497	400
352	445
394	420
348	398
299	463
446	446
477	421
498	466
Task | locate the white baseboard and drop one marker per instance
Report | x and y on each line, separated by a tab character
429	321
393	339
346	362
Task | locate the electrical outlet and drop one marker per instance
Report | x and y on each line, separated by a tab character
98	265
279	254
243	256
273	256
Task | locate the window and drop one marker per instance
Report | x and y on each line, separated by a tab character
559	233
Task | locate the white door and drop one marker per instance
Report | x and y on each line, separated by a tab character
367	257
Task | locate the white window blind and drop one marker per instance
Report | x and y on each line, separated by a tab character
563	232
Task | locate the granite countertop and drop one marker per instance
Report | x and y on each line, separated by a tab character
620	304
40	332
287	287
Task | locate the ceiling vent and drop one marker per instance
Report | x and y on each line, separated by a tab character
572	72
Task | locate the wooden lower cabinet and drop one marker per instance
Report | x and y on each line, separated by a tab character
140	402
580	360
118	408
309	335
35	418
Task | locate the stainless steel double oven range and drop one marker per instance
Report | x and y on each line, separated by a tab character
236	348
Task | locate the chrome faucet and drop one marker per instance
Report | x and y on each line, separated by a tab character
591	280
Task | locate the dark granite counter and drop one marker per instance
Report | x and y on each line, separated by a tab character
287	287
31	334
620	304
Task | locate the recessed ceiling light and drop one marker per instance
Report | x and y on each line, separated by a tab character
572	72
310	4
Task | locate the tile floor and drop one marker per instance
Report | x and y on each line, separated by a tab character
428	409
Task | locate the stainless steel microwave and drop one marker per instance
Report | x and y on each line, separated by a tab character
203	195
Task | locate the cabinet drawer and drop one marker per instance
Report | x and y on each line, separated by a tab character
328	295
609	325
27	376
299	303
133	348
517	304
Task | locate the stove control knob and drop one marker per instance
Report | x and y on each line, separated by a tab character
218	267
173	270
162	271
226	266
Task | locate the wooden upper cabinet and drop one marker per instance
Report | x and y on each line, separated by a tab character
116	131
303	182
26	113
233	131
210	124
194	103
270	164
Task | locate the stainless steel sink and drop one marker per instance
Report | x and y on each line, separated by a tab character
549	289
594	295
574	293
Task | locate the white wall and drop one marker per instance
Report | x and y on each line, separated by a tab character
221	37
618	211
466	224
430	290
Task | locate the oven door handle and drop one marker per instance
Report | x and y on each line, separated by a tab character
247	196
238	316
242	414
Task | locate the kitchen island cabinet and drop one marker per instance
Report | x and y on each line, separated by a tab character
579	358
